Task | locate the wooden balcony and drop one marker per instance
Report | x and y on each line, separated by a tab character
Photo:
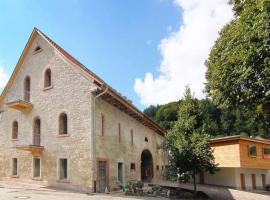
35	150
20	105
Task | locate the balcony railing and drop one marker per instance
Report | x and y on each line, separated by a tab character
28	143
19	102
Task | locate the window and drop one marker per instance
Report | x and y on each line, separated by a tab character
266	152
63	124
63	169
132	166
146	139
157	167
14	167
252	150
27	88
162	168
36	132
119	132
15	128
37	49
37	167
102	125
48	78
131	137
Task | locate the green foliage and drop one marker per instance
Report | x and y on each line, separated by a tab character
140	184
216	121
187	143
238	67
165	115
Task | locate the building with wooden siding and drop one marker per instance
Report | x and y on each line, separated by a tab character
243	162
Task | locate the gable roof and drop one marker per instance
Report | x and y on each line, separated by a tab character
112	96
236	138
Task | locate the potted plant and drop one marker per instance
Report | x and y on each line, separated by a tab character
140	185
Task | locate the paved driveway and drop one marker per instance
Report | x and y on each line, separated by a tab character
14	190
223	193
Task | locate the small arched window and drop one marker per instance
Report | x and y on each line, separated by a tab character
27	88
37	49
15	130
146	139
48	78
63	124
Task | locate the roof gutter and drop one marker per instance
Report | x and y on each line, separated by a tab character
94	136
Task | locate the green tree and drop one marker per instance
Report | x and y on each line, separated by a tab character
151	111
238	67
187	143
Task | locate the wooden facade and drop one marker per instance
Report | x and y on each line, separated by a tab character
234	152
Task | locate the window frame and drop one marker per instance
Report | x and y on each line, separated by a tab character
131	137
45	86
102	125
17	134
249	154
119	132
37	49
17	167
40	168
263	154
59	170
60	134
132	166
27	93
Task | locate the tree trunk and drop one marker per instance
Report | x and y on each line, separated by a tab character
194	183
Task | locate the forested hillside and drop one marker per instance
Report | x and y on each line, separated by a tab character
217	122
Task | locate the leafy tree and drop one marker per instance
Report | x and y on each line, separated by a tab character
188	144
151	111
167	115
238	67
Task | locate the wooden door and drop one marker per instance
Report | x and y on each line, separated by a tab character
263	181
253	176
102	176
242	181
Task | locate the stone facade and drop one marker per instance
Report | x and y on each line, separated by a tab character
72	92
109	146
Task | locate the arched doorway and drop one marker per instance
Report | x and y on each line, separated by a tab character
146	166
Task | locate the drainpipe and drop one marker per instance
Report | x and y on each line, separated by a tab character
94	136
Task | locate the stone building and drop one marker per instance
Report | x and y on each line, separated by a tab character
63	126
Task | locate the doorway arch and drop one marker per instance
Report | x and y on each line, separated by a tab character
146	166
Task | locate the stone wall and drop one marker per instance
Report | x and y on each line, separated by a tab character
109	147
70	93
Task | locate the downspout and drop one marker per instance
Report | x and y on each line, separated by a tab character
94	137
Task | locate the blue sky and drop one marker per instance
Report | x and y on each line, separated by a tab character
116	39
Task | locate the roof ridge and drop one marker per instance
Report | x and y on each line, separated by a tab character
97	79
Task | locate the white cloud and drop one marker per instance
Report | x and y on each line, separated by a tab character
3	78
184	52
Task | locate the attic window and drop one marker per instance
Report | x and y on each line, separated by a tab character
37	49
146	139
